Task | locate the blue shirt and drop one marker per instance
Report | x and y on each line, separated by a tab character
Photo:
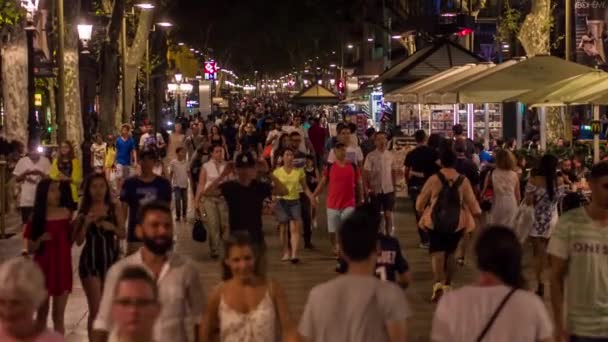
123	150
485	156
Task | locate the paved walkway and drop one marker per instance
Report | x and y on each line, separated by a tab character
315	267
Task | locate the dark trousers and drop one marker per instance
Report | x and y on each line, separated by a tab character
26	213
588	339
413	193
306	221
181	201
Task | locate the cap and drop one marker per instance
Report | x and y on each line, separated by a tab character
244	160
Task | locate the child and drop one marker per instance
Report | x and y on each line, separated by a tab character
312	180
98	153
178	173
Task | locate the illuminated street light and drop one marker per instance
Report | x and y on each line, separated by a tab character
350	46
180	44
145	5
85	31
332	65
198	76
370	39
397	37
179	77
164	24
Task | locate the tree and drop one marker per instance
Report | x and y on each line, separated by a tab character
73	117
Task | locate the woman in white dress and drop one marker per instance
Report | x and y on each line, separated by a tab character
505	184
247	306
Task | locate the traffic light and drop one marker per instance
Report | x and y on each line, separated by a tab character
341	86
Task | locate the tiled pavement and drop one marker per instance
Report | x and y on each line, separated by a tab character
315	267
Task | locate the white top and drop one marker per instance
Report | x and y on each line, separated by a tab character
257	325
380	168
353	155
462	314
99	154
213	171
180	292
143	140
179	173
303	133
28	186
504	182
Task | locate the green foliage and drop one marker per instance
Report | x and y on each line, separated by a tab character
509	23
11	15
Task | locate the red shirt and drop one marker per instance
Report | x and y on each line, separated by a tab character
317	135
341	187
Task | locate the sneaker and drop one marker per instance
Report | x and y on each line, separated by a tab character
424	245
437	291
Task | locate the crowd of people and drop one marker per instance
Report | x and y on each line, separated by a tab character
263	157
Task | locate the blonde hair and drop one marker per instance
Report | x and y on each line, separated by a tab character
505	160
22	278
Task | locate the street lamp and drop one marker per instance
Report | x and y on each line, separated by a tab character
85	31
178	79
31	6
145	5
350	46
164	24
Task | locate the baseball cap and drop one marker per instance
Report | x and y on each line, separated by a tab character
244	160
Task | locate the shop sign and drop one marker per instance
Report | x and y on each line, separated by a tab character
38	100
596	127
210	70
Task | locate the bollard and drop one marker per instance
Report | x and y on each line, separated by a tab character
3	196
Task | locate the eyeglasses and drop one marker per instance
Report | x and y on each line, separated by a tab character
135	302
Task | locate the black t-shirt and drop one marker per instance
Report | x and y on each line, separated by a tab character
422	159
136	192
250	143
467	168
245	204
389	262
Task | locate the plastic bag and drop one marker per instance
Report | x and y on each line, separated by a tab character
524	219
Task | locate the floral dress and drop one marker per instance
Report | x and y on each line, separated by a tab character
545	209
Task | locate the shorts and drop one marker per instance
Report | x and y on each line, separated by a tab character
288	210
444	242
123	171
383	202
335	217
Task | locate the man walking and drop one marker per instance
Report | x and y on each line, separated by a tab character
345	190
138	190
181	294
379	179
420	164
579	264
125	154
356	306
29	171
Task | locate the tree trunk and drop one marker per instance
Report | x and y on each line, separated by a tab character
14	88
535	31
73	115
135	56
109	71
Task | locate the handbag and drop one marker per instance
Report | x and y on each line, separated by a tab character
485	330
199	233
524	220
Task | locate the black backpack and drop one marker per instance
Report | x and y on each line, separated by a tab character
446	211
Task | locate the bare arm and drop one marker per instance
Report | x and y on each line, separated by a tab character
397	331
279	189
202	179
210	325
558	274
288	326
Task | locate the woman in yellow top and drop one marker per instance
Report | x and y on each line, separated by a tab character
66	167
288	209
110	161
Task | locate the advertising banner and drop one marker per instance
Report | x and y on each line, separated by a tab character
591	25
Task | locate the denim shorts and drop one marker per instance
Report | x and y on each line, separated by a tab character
335	217
288	210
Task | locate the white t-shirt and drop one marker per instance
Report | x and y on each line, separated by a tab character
147	139
99	154
28	186
179	172
462	314
354	155
303	134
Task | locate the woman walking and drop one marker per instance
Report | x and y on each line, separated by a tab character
502	309
217	138
247	306
543	192
443	243
209	202
289	209
506	192
49	238
66	168
97	227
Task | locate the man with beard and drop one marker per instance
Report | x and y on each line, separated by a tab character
181	294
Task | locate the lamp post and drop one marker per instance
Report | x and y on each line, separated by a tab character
85	31
178	79
31	6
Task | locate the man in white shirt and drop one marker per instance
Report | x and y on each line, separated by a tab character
379	178
297	127
151	140
181	294
354	155
29	171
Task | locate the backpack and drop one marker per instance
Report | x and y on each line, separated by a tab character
446	211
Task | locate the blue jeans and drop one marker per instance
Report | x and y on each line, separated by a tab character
335	217
181	201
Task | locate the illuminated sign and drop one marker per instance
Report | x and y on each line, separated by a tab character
596	127
38	100
211	70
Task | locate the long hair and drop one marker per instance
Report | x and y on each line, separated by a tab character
499	252
39	211
242	239
87	200
70	155
547	167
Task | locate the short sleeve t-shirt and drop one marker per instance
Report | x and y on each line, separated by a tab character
136	193
583	243
291	180
422	159
341	185
123	150
245	204
352	308
179	172
28	186
353	155
462	314
99	154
